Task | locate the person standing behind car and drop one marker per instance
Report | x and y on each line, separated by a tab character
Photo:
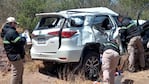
110	59
132	35
14	47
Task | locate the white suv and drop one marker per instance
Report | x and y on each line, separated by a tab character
73	36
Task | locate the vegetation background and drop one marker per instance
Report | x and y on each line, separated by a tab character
25	10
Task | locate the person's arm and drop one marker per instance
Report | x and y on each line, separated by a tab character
15	38
2	34
3	30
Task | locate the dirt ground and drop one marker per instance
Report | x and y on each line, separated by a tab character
35	77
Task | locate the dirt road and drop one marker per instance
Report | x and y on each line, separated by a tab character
35	77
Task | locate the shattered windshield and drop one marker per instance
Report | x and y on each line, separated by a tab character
57	22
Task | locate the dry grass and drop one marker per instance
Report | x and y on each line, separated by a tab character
32	76
33	67
75	80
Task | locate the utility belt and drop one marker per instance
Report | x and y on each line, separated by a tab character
14	57
111	47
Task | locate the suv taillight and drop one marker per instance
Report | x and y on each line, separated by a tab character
65	34
32	35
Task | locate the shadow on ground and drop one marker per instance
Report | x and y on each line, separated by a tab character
128	81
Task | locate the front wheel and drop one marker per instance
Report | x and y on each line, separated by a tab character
92	65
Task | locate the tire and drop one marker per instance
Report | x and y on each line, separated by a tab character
92	65
63	71
49	68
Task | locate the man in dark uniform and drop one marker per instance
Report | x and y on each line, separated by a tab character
14	47
132	35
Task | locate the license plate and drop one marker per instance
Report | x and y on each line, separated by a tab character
41	40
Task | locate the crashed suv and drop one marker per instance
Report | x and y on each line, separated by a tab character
73	36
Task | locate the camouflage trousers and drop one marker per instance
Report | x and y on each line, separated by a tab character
135	46
109	63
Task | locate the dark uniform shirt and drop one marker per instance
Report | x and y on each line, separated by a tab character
129	30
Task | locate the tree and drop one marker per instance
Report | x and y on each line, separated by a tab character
131	7
27	10
8	8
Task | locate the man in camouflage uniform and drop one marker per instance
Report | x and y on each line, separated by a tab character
110	61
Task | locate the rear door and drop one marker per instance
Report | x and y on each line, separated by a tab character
46	34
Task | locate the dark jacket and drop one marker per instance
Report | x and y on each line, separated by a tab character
13	42
130	31
4	30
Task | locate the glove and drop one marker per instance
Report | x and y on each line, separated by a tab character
23	40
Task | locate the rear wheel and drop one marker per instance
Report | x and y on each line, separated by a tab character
92	65
49	68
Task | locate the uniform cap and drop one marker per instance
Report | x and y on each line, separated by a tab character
11	19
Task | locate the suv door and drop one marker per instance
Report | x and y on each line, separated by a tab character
45	35
103	25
